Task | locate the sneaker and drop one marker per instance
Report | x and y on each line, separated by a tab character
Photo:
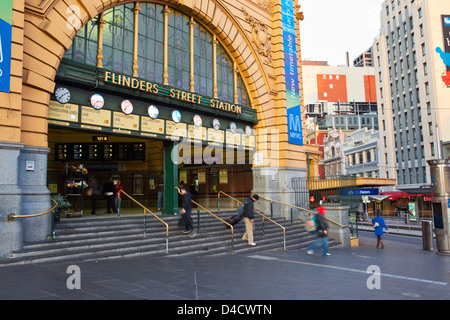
327	254
192	234
186	231
310	252
252	244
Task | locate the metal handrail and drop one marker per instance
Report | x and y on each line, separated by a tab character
12	216
300	208
206	210
261	214
145	220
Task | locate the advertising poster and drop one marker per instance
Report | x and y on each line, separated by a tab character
444	52
412	211
291	71
5	44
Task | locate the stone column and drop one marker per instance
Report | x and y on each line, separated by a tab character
275	183
11	234
338	214
32	180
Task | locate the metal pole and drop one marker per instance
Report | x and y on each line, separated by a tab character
198	218
167	243
145	223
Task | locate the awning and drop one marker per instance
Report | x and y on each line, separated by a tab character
379	197
396	194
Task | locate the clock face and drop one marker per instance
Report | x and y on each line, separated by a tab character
153	112
97	101
233	127
62	95
198	120
216	124
176	116
127	106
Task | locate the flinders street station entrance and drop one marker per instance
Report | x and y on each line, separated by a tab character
111	115
204	93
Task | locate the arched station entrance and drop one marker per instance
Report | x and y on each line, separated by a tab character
125	86
145	91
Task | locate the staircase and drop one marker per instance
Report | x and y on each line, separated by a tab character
83	239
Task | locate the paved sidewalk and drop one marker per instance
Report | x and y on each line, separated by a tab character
407	272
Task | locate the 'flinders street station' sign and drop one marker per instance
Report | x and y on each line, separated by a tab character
154	88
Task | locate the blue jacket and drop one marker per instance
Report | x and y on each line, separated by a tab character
381	225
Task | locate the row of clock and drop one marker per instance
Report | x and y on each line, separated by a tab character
63	96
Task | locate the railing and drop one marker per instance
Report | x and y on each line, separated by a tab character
401	222
11	217
145	219
206	210
299	208
261	214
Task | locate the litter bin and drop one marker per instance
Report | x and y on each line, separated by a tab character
427	235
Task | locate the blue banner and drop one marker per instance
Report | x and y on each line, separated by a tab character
358	192
5	44
290	64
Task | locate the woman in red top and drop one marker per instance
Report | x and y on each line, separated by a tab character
118	195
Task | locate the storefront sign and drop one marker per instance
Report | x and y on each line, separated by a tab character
95	117
63	112
5	44
201	176
358	192
291	72
185	96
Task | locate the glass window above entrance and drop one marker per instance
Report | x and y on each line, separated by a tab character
170	48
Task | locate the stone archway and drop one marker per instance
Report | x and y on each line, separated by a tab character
50	27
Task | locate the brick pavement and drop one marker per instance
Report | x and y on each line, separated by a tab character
406	272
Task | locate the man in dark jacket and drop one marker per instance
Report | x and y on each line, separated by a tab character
322	232
248	217
186	202
109	190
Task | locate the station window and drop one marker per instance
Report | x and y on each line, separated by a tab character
203	61
179	50
84	46
151	42
118	50
118	39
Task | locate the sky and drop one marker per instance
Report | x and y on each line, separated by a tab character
333	27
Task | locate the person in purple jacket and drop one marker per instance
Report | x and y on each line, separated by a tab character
378	223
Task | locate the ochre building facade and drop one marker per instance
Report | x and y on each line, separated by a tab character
194	90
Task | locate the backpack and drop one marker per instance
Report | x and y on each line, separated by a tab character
311	224
241	210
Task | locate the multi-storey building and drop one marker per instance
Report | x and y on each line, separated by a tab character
337	98
364	59
411	59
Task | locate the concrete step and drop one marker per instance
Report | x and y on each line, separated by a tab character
112	238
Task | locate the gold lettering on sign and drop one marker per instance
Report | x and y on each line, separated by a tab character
145	86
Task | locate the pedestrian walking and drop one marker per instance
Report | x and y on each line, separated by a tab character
379	223
109	195
322	233
186	200
95	194
248	217
118	195
160	189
